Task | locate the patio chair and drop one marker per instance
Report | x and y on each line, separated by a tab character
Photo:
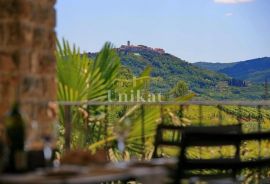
215	170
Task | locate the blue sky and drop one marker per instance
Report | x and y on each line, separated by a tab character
194	30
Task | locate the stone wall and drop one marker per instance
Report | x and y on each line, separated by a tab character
27	60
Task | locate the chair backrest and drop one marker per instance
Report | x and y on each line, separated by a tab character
207	136
217	136
210	135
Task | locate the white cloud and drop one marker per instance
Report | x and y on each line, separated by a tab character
232	1
228	14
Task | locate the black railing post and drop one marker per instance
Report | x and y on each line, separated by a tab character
106	131
143	131
181	116
260	120
181	113
200	124
68	126
220	120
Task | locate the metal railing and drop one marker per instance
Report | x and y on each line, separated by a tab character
67	109
204	103
143	105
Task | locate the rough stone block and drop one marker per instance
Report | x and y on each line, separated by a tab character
7	64
41	13
22	57
11	33
1	96
8	8
25	35
52	19
9	86
40	37
31	87
49	88
46	64
24	9
16	33
2	36
52	40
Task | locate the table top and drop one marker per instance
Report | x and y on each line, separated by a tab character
146	172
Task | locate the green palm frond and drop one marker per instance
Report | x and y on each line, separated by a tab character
80	78
108	62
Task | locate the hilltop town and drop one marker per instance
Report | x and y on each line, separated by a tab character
138	48
133	48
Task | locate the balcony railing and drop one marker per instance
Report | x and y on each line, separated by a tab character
259	112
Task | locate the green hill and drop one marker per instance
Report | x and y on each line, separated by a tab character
167	70
254	70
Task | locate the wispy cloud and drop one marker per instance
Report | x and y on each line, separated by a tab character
228	14
232	1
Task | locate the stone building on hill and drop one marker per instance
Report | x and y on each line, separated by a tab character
138	48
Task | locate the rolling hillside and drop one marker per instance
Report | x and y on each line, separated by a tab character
167	70
254	70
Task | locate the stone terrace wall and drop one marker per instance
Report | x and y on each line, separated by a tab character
27	60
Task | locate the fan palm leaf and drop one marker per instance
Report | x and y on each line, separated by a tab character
82	79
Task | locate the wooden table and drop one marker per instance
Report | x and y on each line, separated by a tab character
148	172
